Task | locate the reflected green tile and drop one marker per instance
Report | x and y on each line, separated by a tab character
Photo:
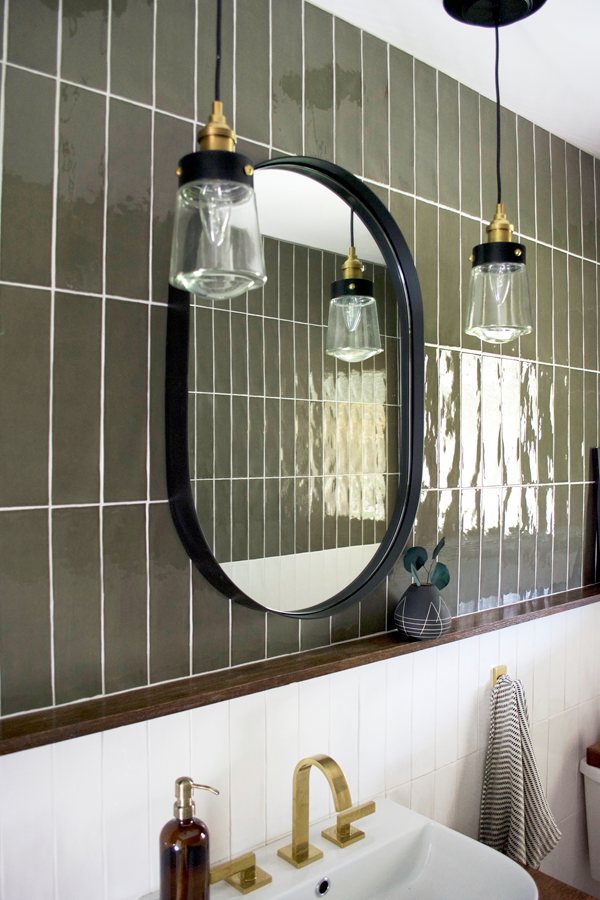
300	284
426	131
223	427
402	162
402	209
449	140
174	57
271	288
256	437
301	361
286	25
272	438
348	96
543	184
376	108
545	338
283	635
272	544
286	349
239	437
158	337
510	586
470	237
490	548
526	178
287	437
576	425
203	453
286	280
559	192
203	362
222	350
391	368
544	541
546	423
575	313
302	509
272	343
318	83
207	23
317	290
449	278
239	519
27	176
574	199
247	635
315	375
587	206
489	191
302	438
314	633
84	41
590	386
575	536
373	611
210	610
256	358
470	538
343	504
561	308
469	151
25	637
131	45
561	424
316	513
346	625
527	542
32	34
426	258
252	69
239	353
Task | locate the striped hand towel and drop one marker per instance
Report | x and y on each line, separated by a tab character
515	816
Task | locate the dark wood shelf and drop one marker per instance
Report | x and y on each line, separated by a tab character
26	730
551	889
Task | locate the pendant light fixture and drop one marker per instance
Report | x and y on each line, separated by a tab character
353	329
217	248
499	309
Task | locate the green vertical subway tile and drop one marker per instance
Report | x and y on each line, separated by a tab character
315	425
316	288
427	262
510	191
449	429
426	131
239	519
239	437
314	633
202	365
490	548
373	611
203	452
527	345
286	345
576	336
487	114
375	109
283	635
449	263
222	445
402	209
301	361
545	518
210	611
315	375
27	176
272	544
158	337
286	49
247	635
470	539
252	70
470	423
343	508
286	280
128	212
512	422
318	83
588	567
25	621
329	517
125	401
590	317
125	597
470	236
430	470
169	573
77	603
561	308
448	526
545	316
591	421
546	423
301	516
300	284
174	57
402	133
576	433
348	97
543	185
425	528
256	437
271	288
287	511
345	625
510	500
287	440
316	513
256	518
131	50
398	580
239	354
588	216
526	178
574	199
559	192
449	141
76	399
272	438
561	537
597	182
222	520
222	350
529	423
469	151
527	542
491	420
561	424
32	34
25	396
84	41
172	140
207	23
256	358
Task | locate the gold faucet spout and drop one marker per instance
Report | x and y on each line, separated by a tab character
300	853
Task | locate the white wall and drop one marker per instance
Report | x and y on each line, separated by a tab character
81	818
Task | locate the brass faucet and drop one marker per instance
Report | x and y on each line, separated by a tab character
300	853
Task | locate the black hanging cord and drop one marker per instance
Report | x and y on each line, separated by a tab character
498	178
218	64
352	228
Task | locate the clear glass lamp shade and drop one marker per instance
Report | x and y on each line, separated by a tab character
353	330
217	249
499	308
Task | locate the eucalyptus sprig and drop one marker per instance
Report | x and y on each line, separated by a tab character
437	573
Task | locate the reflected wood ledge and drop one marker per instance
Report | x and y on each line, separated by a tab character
27	730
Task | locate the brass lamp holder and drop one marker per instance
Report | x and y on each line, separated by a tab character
216	134
499	228
353	283
499	248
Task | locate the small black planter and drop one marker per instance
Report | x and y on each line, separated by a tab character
421	613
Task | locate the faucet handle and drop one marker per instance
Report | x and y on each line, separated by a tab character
343	833
242	873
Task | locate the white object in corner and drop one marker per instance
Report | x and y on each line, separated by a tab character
591	781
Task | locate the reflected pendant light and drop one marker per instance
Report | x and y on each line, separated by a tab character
499	309
353	329
217	248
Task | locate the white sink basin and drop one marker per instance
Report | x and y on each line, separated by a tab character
404	856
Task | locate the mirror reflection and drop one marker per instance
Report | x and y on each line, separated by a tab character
294	454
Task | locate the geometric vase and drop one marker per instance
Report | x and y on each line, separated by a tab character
421	613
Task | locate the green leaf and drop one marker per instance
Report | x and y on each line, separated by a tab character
439	547
416	556
440	576
414	575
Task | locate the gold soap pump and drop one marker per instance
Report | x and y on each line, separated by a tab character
184	848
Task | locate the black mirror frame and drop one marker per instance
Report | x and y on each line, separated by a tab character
388	237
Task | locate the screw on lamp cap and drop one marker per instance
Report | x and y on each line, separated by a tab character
184	807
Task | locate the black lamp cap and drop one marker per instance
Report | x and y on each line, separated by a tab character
498	252
485	12
222	165
352	287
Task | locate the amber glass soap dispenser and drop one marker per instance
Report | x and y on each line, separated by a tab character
184	859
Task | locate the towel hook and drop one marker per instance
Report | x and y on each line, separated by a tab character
497	671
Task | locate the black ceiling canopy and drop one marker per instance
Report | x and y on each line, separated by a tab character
484	12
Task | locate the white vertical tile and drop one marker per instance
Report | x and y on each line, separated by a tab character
398	728
168	759
445	795
573	652
282	756
400	794
558	650
563	763
539	738
488	658
343	733
468	695
125	800
588	653
469	784
422	795
560	863
371	731
248	756
26	785
313	737
77	785
446	706
507	649
526	658
540	701
423	713
210	765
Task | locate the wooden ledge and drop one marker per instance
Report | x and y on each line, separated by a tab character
27	730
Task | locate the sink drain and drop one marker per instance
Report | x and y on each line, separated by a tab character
322	887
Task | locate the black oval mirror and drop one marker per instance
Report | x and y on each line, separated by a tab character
294	477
